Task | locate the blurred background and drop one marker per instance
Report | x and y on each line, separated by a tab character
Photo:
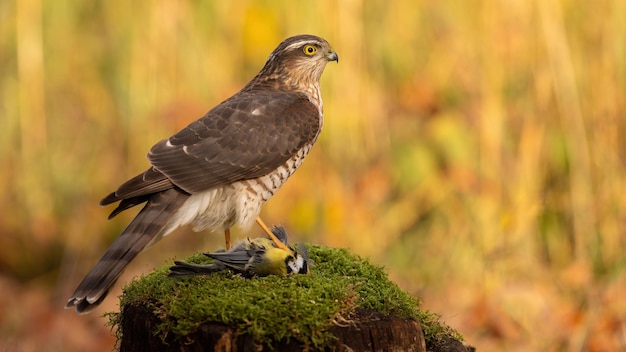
476	149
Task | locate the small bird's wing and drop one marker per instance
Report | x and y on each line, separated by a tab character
280	233
181	269
237	260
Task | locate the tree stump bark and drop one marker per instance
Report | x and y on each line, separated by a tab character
369	331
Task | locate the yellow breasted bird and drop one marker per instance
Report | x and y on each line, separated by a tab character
252	257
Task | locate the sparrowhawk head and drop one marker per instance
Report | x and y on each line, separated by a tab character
298	61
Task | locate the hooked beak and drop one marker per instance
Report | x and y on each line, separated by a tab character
332	56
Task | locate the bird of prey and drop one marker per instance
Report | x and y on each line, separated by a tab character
218	171
252	257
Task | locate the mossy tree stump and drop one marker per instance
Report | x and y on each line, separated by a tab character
369	331
345	304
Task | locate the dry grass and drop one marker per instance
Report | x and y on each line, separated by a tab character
476	149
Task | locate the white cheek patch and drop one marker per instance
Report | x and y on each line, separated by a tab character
297	266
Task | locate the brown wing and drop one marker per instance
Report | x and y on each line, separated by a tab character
246	136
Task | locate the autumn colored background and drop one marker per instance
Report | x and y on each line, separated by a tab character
476	149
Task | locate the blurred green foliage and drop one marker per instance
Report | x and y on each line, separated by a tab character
475	144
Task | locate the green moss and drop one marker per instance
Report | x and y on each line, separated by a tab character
273	308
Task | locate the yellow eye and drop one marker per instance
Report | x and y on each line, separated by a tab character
309	50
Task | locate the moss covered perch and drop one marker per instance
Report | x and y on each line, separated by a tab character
345	301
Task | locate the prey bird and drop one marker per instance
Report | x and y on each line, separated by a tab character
252	257
218	171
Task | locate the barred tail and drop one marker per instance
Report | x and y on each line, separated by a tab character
150	225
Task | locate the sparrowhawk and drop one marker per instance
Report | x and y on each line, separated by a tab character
218	171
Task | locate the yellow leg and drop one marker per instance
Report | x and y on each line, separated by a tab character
273	237
227	238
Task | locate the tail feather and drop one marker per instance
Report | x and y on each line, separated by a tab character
146	228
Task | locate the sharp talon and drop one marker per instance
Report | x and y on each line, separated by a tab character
273	237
